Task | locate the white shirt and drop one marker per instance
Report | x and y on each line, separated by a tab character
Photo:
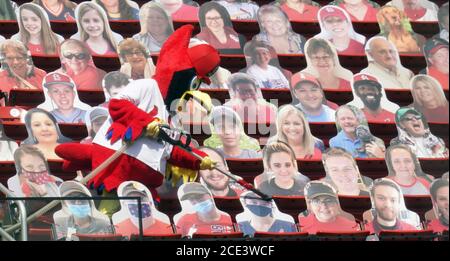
271	78
389	79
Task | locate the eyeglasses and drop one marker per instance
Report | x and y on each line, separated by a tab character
78	56
325	202
416	117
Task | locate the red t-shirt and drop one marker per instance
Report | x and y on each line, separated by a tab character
344	85
7	83
415	14
127	228
354	48
383	117
231	43
89	79
311	225
442	78
371	13
309	13
186	13
223	225
437	226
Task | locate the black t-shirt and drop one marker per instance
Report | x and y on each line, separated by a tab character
271	188
62	16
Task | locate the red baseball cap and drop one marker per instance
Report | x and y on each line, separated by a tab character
328	11
57	78
303	77
361	78
205	59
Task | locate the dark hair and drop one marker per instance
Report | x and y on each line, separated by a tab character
126	11
316	45
384	182
115	78
442	13
31	139
129	44
206	7
202	148
67	3
27	150
238	78
436	185
388	157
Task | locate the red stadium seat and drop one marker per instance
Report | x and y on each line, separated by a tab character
40	234
343	236
218	235
297	236
157	237
410	235
98	237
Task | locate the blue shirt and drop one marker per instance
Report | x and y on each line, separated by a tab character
77	116
352	146
327	114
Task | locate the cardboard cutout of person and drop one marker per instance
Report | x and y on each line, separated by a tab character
443	22
61	99
199	213
299	10
7	146
413	131
126	221
293	129
262	216
8	10
276	31
324	213
118	10
343	173
219	80
395	26
135	59
228	135
359	10
429	99
417	10
112	84
308	96
43	132
436	55
60	10
281	176
77	63
94	30
94	120
247	101
35	31
179	10
323	63
385	65
354	135
33	177
240	9
388	209
370	97
405	170
156	26
2	39
219	184
17	69
263	65
336	27
79	216
217	29
437	219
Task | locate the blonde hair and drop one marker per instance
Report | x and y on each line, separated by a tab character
308	139
47	37
435	86
275	147
85	7
143	15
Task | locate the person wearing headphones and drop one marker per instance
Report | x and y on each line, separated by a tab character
135	59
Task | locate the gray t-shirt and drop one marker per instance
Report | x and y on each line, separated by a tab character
245	154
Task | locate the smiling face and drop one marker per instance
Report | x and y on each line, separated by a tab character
309	95
402	163
282	166
439	60
325	208
214	21
171	5
214	179
157	23
413	125
31	22
275	24
370	95
136	59
342	172
43	128
293	128
347	120
387	202
229	133
323	62
336	26
16	61
75	58
92	23
62	95
425	93
262	56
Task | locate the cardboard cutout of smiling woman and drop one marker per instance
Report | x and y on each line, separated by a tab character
429	99
354	135
281	176
323	63
78	215
135	59
199	213
395	26
217	29
263	65
240	9
156	26
437	218
299	10
33	177
336	27
343	174
370	97
417	10
126	221
384	63
262	216
276	31
7	146
43	132
436	55
388	209
61	99
35	31
94	30
413	131
359	10
324	213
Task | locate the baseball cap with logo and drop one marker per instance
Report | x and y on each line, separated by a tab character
57	78
433	45
328	11
363	78
303	77
317	188
192	190
401	113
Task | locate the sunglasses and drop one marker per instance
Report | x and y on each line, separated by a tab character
78	56
417	117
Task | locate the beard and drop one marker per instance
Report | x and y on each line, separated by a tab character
372	104
387	214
